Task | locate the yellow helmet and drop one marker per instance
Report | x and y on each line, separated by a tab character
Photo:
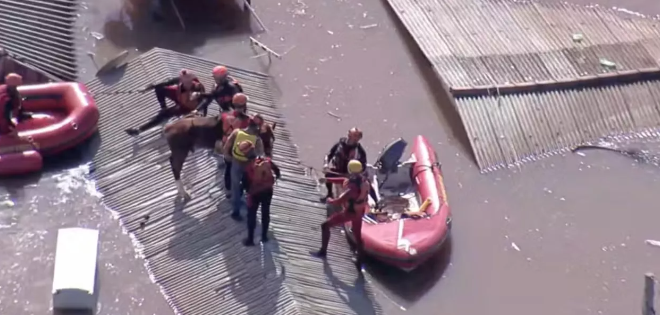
354	167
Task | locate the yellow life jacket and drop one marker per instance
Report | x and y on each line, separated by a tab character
240	137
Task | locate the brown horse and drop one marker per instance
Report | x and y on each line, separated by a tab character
190	132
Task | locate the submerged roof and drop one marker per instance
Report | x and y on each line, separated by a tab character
533	79
193	251
43	32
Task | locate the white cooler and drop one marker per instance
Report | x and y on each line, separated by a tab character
74	277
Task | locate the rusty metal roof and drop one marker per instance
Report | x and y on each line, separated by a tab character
193	251
482	43
42	32
512	129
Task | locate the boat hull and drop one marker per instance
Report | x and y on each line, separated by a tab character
408	243
64	116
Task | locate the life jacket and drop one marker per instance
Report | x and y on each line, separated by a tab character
240	137
260	174
359	192
344	154
231	121
226	96
184	97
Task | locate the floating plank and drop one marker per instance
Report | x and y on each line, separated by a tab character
74	279
193	250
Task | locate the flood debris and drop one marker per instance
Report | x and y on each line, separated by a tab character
577	37
97	35
514	246
334	115
365	27
607	63
653	243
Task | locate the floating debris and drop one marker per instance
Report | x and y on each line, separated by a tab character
331	32
577	37
97	35
653	243
365	27
514	246
607	64
334	115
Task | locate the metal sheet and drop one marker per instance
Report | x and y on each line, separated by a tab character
193	251
492	42
41	31
529	126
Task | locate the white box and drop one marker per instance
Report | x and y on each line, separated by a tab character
74	278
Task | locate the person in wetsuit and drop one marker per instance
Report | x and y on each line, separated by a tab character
336	162
354	201
225	89
185	91
11	102
258	181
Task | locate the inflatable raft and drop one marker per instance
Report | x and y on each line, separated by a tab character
63	116
413	219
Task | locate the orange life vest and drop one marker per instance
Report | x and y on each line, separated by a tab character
184	97
230	122
359	193
260	175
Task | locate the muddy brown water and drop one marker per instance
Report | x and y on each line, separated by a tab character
564	235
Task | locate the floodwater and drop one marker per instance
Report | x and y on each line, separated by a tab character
565	235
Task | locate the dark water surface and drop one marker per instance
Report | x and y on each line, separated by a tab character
561	236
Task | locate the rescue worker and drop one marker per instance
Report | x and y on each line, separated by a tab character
185	91
225	89
11	102
237	119
353	200
336	162
258	181
238	161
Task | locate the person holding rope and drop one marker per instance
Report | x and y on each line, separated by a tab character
336	162
353	201
12	104
239	160
225	89
185	91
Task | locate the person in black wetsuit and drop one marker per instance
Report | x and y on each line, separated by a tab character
11	102
225	89
336	162
185	91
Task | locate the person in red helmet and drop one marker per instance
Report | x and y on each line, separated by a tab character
258	181
11	102
353	201
236	119
223	92
185	91
346	149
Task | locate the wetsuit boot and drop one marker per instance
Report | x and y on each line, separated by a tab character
325	239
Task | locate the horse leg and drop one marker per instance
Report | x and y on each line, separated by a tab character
177	158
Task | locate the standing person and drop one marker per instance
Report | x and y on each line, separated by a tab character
336	162
223	93
236	119
258	181
353	201
185	91
11	102
231	151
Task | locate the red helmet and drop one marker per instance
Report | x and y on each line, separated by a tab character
239	100
13	79
220	71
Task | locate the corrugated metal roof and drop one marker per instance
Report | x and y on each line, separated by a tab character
511	129
193	252
41	31
494	42
30	74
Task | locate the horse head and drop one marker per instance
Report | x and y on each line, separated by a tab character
267	135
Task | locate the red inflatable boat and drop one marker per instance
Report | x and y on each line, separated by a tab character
413	219
63	116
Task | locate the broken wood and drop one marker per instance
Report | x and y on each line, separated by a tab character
254	13
270	52
178	14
